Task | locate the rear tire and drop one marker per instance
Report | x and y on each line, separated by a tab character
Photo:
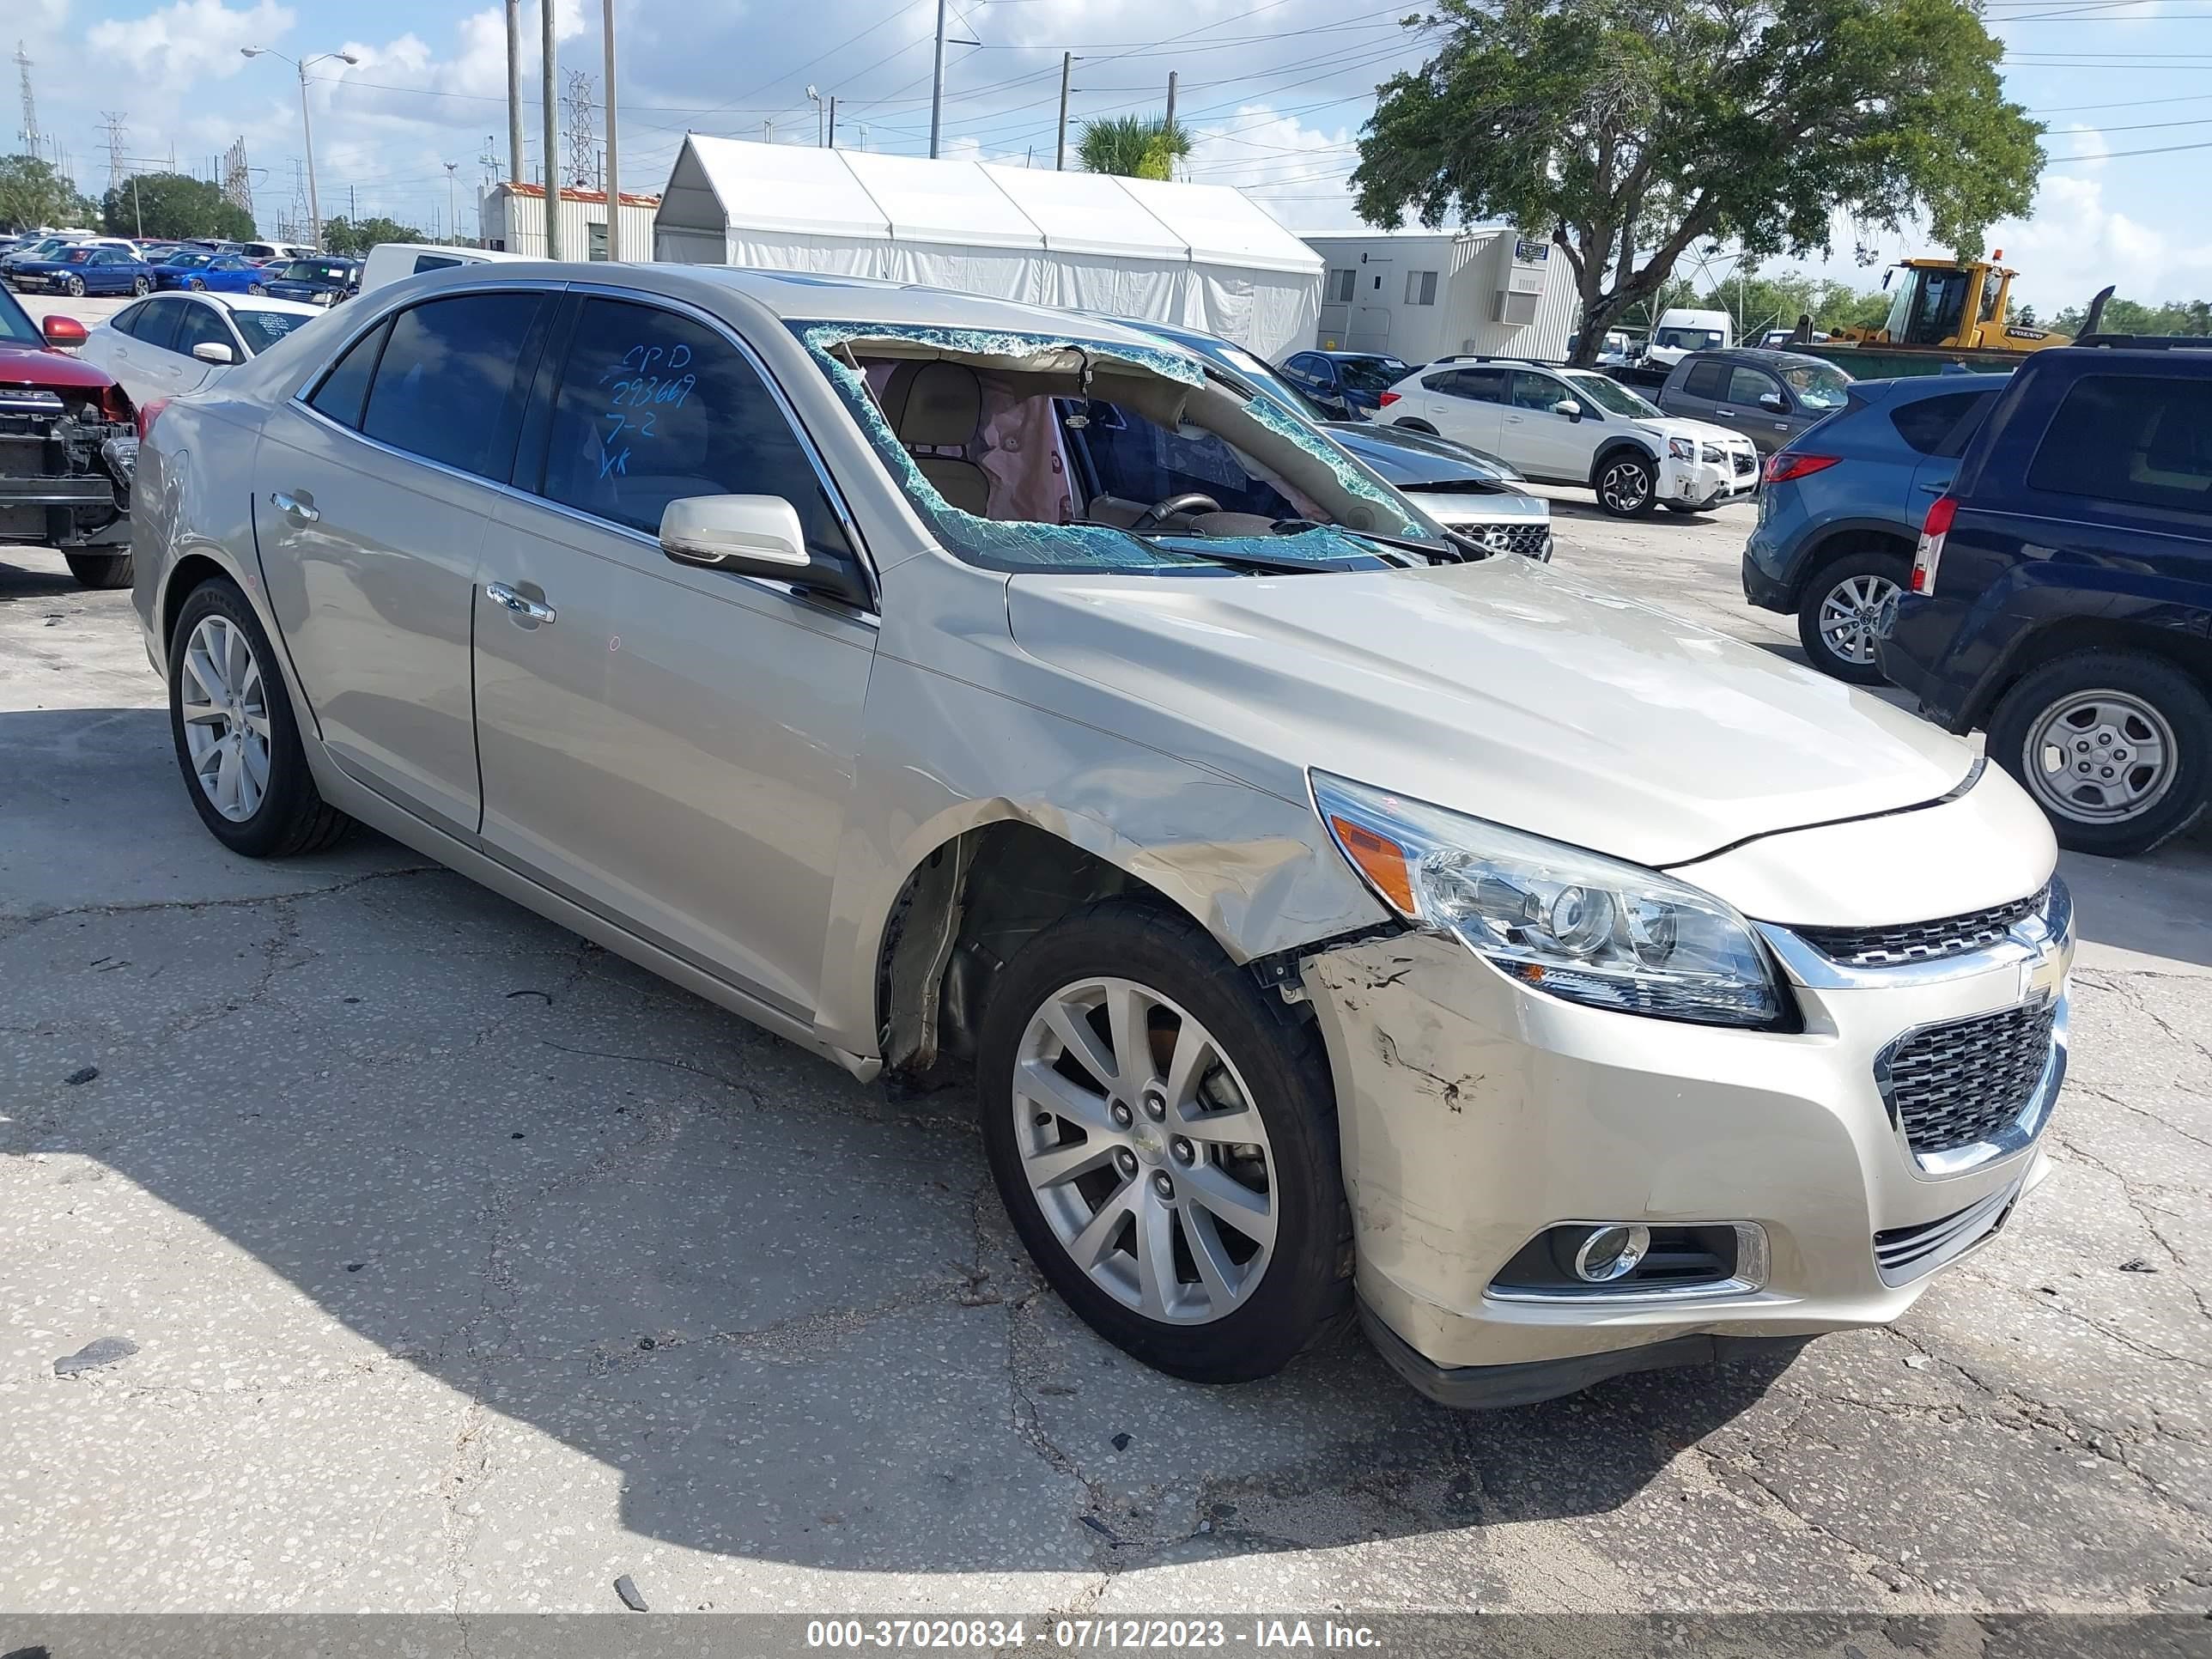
283	814
1627	485
99	569
1173	1173
1839	608
2140	727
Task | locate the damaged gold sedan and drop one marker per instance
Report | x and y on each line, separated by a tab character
1330	917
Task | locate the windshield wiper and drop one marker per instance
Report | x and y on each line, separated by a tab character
1435	552
1259	562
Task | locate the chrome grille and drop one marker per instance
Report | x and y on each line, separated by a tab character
1923	941
1526	539
1966	1081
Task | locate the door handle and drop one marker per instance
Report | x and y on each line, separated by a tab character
1723	411
517	605
288	504
1937	487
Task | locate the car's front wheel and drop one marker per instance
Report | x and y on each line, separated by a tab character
236	740
256	289
198	285
1163	1134
99	569
76	288
1628	487
1844	605
2113	745
141	285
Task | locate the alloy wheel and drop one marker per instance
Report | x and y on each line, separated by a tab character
1144	1151
76	288
2099	756
226	716
1624	487
1850	615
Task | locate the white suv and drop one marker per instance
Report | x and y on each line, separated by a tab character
1575	426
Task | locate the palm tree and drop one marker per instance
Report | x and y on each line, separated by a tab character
1133	147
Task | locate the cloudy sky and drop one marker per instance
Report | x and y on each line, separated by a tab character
1275	90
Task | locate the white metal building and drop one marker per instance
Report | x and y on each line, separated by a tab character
1200	256
1420	295
514	219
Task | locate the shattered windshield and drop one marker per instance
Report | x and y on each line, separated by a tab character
1027	452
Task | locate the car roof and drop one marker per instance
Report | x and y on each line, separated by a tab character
802	296
1770	356
261	302
1381	356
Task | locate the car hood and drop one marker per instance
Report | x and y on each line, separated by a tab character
1501	690
1406	457
24	365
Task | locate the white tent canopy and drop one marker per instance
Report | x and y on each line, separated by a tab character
1198	256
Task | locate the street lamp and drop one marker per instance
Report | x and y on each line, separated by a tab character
306	125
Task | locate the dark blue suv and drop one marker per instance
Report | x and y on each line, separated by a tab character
2061	596
1840	506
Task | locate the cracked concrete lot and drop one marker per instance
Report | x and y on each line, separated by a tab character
468	1267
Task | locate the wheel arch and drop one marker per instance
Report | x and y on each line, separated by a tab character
1619	445
1840	541
2067	637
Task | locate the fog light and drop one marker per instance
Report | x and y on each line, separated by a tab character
1611	1253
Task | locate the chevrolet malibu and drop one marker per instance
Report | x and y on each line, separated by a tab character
1330	919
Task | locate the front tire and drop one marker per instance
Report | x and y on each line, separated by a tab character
1628	487
237	743
198	285
2113	746
1163	1136
99	569
1843	603
76	288
141	287
256	289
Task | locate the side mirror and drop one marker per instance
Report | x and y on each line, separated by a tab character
754	535
1772	400
63	331
215	352
1568	407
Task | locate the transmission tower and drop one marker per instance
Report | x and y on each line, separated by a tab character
30	104
296	230
118	168
577	104
237	179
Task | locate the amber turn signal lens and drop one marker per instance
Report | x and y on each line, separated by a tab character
1381	859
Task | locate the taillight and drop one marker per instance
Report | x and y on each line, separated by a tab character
1782	465
1386	399
147	411
1929	553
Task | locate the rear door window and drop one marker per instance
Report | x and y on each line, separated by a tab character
448	385
2142	439
156	323
1481	385
1707	380
1747	385
1941	426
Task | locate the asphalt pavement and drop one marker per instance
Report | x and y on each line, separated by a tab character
450	1264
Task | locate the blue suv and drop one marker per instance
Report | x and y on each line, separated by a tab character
1840	506
2060	595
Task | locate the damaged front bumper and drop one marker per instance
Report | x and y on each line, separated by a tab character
1483	1119
64	480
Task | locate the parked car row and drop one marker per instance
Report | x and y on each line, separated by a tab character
78	264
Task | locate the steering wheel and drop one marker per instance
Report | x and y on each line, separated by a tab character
1158	511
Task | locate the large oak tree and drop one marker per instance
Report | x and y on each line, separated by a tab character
1631	130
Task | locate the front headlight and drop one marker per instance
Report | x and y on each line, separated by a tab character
1576	925
1682	449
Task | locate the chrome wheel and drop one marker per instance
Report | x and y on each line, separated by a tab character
1852	614
226	716
1144	1151
1624	487
2099	756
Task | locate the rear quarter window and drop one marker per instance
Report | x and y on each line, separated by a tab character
2142	439
1941	426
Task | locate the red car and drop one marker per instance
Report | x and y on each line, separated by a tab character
69	445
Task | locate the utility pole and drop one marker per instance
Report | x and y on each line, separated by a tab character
833	120
137	213
614	164
1171	89
30	104
767	132
814	94
453	212
515	91
551	52
937	86
1060	150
